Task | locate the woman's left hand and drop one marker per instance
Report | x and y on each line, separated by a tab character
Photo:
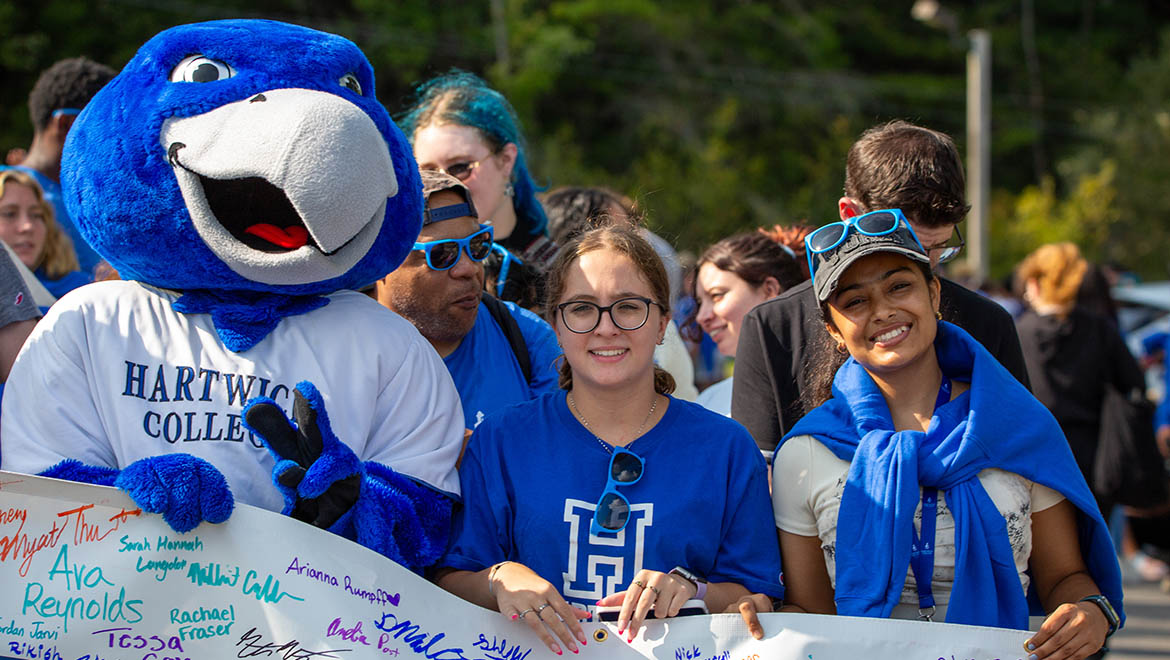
664	592
1072	632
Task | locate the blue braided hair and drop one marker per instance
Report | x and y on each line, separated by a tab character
463	98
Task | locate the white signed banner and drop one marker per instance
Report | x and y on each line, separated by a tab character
84	575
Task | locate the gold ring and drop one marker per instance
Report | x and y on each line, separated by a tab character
654	589
641	585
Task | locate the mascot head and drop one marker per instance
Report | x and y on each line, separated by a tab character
244	155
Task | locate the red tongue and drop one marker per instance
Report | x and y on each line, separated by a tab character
290	238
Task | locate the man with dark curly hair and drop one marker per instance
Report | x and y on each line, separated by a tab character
892	165
58	96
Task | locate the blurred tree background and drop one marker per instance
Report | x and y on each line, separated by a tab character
727	114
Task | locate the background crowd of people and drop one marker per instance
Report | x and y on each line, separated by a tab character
576	339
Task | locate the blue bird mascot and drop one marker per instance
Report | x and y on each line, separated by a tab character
245	182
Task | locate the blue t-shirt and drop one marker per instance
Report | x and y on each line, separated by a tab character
67	282
85	254
485	369
532	476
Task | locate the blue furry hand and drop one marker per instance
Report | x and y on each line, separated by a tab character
187	490
319	476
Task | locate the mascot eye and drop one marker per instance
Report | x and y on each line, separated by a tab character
200	69
350	82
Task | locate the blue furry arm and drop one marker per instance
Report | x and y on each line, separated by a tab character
185	489
400	518
325	484
72	469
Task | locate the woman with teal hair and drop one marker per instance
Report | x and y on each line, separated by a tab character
459	125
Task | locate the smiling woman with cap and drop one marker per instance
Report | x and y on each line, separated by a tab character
929	483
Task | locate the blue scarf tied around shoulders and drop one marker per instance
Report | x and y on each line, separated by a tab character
995	424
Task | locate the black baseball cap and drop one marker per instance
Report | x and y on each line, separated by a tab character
435	181
864	235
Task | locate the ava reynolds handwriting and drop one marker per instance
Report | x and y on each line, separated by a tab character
95	602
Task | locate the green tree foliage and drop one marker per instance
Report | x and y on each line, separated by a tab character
719	116
1038	215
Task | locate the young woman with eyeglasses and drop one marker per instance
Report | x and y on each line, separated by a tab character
459	125
929	484
610	493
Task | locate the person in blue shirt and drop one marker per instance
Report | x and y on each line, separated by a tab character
487	345
28	227
610	492
57	97
928	483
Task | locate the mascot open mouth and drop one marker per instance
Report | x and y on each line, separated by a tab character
256	213
285	187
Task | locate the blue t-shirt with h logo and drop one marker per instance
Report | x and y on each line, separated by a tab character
532	476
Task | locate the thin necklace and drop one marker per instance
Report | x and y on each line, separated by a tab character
585	422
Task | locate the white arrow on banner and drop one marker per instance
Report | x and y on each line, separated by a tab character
84	575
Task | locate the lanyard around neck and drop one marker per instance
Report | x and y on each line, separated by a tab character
922	546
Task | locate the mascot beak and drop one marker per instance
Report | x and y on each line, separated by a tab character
284	180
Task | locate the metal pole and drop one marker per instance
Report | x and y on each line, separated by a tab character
500	35
979	152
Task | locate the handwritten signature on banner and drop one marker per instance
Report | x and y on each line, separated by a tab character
87	576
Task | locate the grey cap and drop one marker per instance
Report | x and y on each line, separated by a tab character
831	265
435	181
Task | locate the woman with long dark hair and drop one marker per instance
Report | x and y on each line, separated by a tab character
928	483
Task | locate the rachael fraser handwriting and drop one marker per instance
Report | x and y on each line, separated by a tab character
252	645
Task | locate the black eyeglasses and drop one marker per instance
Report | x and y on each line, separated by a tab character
582	316
444	253
950	248
613	509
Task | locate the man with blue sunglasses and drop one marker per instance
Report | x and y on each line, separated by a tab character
497	353
891	166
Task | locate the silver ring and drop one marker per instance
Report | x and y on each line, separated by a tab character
521	615
541	608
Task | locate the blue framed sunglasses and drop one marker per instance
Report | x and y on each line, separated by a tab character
506	261
444	253
613	509
874	223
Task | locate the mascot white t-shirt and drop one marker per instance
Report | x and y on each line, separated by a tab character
122	376
245	182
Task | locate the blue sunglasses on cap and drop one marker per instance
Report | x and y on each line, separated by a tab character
874	223
444	253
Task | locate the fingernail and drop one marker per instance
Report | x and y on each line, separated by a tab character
1033	657
556	649
515	616
1030	646
574	650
